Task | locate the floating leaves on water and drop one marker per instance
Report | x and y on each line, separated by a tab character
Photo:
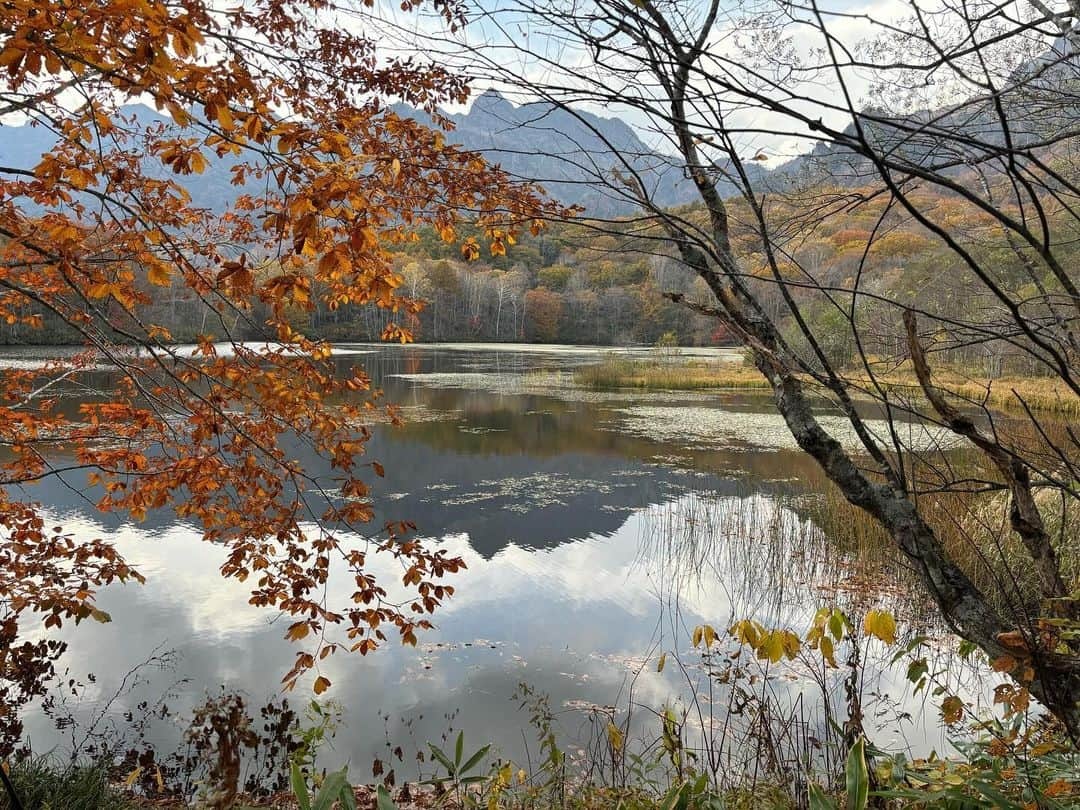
535	491
712	427
557	384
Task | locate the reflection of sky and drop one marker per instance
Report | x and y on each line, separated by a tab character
545	611
584	556
575	621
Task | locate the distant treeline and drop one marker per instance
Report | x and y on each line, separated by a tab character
604	284
559	287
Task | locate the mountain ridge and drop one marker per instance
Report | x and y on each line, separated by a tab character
538	142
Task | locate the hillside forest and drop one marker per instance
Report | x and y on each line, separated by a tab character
607	283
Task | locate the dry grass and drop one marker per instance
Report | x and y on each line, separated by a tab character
974	531
1045	394
671	376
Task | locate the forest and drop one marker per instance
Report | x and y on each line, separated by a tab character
608	284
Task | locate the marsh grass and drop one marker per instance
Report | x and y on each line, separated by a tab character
1038	393
660	374
974	530
44	784
1043	394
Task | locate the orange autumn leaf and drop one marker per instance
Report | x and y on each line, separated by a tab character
103	231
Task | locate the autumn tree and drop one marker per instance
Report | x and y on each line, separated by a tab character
956	121
543	311
291	99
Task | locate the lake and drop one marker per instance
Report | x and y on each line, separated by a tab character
598	528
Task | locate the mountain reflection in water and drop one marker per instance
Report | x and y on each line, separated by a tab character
592	543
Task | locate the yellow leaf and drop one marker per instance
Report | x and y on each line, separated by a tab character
615	736
881	625
710	636
746	632
506	774
224	117
322	683
661	662
159	275
771	647
775	644
827	650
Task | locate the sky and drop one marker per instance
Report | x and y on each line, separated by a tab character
502	42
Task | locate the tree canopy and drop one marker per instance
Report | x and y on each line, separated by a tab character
294	98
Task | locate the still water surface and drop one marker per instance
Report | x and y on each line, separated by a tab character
598	528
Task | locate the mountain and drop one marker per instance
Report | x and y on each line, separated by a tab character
1040	98
21	147
564	152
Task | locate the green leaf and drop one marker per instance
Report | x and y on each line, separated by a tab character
383	800
999	799
910	647
700	784
916	669
474	759
836	624
674	798
330	791
818	799
299	788
442	758
857	776
899	768
348	798
459	747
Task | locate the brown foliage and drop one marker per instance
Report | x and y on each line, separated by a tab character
544	308
297	106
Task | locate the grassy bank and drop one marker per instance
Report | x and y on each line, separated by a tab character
1014	394
1044	394
659	374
